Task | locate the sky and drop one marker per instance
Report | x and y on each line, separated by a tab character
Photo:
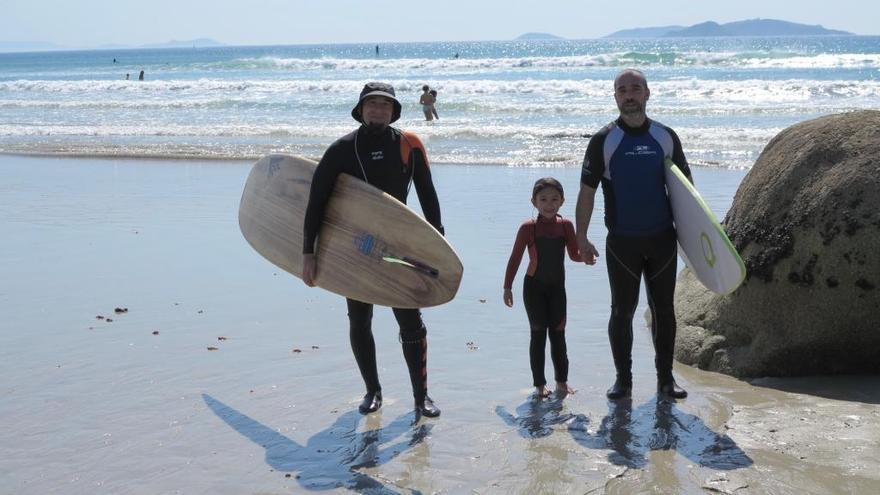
91	23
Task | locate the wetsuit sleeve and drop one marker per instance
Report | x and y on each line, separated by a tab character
425	185
323	181
571	241
594	162
678	156
516	254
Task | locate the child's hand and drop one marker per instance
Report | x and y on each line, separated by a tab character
587	250
508	298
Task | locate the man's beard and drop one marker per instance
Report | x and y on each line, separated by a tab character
375	127
632	109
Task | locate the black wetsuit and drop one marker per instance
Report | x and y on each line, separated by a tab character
629	163
385	167
544	290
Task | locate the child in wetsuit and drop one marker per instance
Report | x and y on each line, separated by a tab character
547	238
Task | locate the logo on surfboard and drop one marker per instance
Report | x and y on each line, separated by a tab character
708	251
368	245
365	243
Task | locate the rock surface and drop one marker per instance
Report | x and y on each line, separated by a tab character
806	221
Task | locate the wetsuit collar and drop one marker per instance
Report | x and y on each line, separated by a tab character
642	129
542	219
365	131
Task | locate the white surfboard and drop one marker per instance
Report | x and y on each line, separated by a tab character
705	247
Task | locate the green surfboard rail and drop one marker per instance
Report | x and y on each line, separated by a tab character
709	253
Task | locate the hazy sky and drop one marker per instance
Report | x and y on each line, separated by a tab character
86	23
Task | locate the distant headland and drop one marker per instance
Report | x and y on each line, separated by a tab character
538	36
751	27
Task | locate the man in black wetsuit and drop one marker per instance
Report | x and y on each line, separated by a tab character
627	157
389	159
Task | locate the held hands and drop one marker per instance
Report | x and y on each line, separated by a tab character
508	298
310	269
589	254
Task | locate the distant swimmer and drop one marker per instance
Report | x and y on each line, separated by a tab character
114	60
141	76
127	76
456	54
377	50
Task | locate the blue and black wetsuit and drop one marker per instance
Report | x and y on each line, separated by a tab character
386	167
629	163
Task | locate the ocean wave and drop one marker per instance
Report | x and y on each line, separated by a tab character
177	85
314	132
113	104
514	145
173	130
750	59
555	94
272	68
448	135
254	152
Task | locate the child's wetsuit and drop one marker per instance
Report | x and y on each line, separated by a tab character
544	289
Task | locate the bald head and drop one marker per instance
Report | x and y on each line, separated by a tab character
630	76
631	94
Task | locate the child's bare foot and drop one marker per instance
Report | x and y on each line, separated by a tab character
542	391
563	389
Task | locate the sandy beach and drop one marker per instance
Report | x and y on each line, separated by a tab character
226	375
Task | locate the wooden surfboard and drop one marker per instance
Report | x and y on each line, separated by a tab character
371	248
705	247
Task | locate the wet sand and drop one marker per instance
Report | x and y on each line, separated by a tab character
227	375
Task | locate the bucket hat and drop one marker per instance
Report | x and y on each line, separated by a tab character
376	89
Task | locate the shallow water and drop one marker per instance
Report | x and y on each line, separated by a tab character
141	405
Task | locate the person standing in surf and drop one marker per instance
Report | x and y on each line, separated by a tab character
391	160
433	93
426	100
547	236
627	157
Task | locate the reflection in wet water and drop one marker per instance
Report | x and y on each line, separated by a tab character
548	468
658	425
331	458
536	417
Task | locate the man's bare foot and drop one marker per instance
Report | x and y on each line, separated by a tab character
542	391
564	389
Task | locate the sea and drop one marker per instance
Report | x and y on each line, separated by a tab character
512	103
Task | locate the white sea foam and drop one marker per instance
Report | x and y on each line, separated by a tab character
512	145
179	130
203	89
731	59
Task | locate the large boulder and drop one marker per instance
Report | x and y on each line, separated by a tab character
806	220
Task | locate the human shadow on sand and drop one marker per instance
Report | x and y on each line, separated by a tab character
330	459
658	425
535	418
